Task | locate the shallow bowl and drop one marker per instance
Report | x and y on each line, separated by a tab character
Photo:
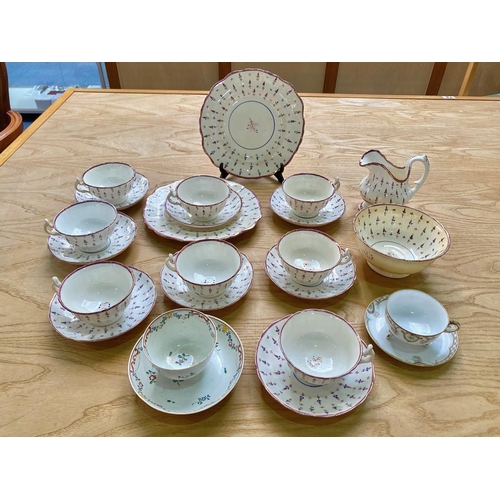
397	240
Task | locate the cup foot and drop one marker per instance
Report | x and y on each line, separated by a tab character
100	249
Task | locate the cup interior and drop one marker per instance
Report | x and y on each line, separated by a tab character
320	343
96	287
208	262
308	187
180	339
108	175
203	190
417	312
309	250
85	218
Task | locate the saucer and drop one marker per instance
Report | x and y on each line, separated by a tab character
436	353
336	283
176	290
139	189
143	300
121	239
333	211
340	396
154	217
230	210
199	393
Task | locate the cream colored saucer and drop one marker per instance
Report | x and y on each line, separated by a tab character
197	394
139	189
336	283
121	238
333	211
436	353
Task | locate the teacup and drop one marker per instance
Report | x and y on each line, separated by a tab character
320	346
108	181
417	318
309	256
307	194
201	196
96	293
207	267
87	225
179	343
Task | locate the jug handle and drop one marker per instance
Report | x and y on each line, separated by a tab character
425	161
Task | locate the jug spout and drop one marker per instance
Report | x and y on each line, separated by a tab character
375	160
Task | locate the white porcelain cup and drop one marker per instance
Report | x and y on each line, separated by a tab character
309	256
201	196
108	181
87	225
417	318
320	346
307	194
207	267
96	293
179	343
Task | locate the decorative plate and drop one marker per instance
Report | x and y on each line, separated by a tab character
333	211
143	301
176	290
120	240
339	397
251	123
336	283
199	393
436	353
163	225
139	189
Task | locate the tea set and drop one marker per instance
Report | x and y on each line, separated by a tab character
312	362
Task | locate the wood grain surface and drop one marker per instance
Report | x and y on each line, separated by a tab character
52	386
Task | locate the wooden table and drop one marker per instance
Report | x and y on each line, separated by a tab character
53	386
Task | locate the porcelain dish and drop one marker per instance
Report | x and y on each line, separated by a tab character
230	210
436	353
199	393
397	240
143	301
336	283
340	396
176	290
154	217
333	210
122	237
139	189
251	123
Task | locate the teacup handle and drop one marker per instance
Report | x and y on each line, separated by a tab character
453	326
55	284
346	256
425	161
335	184
81	186
48	227
368	354
170	262
171	198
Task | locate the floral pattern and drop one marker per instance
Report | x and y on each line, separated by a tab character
332	212
143	299
339	397
336	283
154	217
198	393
